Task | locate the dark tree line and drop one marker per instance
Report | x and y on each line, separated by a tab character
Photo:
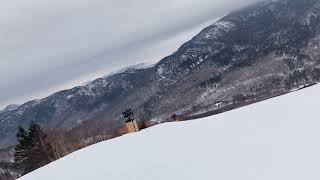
33	150
36	147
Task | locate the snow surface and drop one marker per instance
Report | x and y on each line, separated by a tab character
276	139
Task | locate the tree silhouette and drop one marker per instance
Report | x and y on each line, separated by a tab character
23	146
128	114
33	149
41	152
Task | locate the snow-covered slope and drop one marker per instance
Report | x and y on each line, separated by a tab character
276	139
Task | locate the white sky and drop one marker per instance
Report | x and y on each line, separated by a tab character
49	45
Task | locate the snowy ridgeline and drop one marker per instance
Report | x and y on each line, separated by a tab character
276	139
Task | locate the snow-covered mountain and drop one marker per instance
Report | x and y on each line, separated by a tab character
275	139
11	107
262	51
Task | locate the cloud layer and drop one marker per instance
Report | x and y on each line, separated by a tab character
50	45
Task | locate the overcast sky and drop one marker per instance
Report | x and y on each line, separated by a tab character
49	45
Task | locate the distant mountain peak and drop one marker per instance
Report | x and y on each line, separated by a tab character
143	65
132	67
11	107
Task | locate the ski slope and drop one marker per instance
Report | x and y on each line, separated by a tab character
277	139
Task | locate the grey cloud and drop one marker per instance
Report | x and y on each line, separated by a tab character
48	45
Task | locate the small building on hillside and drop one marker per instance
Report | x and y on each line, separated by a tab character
175	117
131	123
132	126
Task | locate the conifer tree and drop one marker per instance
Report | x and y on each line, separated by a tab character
22	147
33	149
128	114
41	152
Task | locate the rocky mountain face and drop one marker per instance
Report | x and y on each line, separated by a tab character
263	51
